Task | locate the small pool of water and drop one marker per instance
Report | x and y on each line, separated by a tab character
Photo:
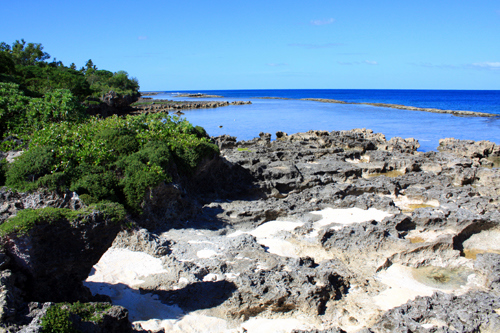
441	277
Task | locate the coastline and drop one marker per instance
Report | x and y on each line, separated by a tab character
468	104
457	113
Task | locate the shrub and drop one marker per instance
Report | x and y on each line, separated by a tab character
21	114
57	317
115	159
25	173
56	320
26	219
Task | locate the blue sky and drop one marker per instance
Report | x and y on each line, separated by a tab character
211	45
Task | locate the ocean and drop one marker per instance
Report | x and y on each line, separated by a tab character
290	114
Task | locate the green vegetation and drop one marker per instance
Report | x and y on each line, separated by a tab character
115	159
57	318
20	114
26	219
111	163
35	92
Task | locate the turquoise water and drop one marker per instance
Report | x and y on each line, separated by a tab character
291	116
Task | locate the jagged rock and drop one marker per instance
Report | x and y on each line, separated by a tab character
11	202
489	264
472	312
468	148
303	285
143	241
329	330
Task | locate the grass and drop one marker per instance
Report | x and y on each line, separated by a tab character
26	219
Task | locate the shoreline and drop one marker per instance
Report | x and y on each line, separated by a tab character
457	113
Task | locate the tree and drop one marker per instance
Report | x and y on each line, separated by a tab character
7	65
26	55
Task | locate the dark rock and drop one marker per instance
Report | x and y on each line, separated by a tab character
472	312
57	257
303	286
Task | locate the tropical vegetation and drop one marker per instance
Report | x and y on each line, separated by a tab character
44	111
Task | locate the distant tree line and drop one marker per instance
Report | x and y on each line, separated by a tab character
34	90
27	65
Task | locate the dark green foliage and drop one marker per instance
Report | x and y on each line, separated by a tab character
121	140
142	170
97	186
56	320
43	78
58	316
25	65
25	54
200	132
102	82
30	167
21	114
7	65
26	219
115	159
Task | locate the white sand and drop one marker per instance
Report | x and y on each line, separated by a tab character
116	274
120	270
206	253
347	216
125	266
329	216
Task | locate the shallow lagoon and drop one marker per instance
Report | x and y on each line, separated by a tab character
291	116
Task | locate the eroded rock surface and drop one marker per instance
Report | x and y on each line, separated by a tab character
345	230
340	231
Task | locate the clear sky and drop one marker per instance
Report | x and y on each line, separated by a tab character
266	44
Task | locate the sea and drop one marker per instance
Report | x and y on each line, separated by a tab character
283	110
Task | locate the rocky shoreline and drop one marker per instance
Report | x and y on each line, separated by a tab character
145	105
339	231
410	108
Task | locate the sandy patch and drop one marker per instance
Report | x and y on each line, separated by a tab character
296	247
410	204
125	266
346	216
206	253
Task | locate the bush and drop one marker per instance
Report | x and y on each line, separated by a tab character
26	219
21	114
57	318
25	173
115	159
